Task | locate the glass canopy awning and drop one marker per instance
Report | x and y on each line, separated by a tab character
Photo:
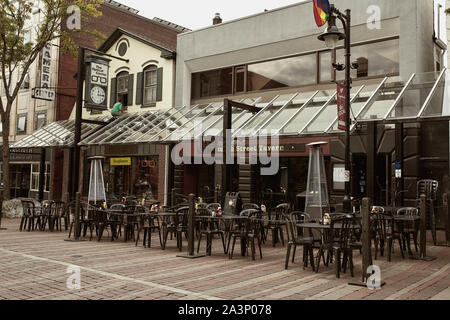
58	134
422	97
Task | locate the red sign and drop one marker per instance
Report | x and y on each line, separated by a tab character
342	106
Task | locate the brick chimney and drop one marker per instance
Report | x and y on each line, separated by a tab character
217	19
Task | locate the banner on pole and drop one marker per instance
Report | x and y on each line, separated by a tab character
342	106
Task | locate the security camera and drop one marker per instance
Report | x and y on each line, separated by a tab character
355	65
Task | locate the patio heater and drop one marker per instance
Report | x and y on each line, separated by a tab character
317	200
96	183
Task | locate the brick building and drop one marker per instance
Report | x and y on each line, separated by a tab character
114	15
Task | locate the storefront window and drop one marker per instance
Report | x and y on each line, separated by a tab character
35	173
290	72
139	178
374	59
212	83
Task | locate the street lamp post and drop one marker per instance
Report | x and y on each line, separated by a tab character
331	36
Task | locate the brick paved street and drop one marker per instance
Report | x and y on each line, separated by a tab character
34	266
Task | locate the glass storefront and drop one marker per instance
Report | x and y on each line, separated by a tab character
129	176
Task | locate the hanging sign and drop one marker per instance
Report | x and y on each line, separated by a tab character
342	106
97	83
44	92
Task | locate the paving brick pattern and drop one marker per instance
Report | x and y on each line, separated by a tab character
33	266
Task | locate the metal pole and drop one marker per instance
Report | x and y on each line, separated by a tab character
446	219
348	83
42	175
191	224
78	120
191	231
77	230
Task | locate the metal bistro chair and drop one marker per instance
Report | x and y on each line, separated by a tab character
296	238
209	228
429	188
409	229
275	225
177	226
29	214
148	223
248	230
57	212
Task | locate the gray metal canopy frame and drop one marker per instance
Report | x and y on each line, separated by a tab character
422	97
60	134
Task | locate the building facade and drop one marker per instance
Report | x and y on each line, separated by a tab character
276	54
145	86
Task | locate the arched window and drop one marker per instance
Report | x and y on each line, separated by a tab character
122	87
150	85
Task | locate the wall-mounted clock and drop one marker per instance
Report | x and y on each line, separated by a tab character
98	95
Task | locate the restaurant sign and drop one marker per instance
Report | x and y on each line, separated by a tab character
118	162
342	106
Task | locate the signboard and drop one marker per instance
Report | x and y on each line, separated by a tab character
398	170
118	162
342	106
96	89
44	92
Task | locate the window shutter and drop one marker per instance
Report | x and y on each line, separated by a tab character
159	92
139	88
113	88
130	89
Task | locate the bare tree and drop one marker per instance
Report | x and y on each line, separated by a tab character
17	54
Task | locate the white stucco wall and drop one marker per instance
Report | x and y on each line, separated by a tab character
139	53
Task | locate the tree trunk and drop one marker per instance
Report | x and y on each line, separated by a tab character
5	163
5	160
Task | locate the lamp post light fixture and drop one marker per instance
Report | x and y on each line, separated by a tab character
331	37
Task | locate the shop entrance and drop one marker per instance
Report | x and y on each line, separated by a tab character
20	177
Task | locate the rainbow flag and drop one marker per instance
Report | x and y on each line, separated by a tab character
321	11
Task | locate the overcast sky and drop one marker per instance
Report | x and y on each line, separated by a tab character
195	14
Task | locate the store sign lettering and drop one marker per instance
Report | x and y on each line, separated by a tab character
120	162
44	92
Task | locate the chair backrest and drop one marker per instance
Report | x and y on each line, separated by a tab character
203	212
429	188
202	205
28	208
343	234
57	208
182	216
285	208
248	212
213	206
299	217
247	206
409	211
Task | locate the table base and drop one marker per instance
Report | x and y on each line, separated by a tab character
418	257
187	256
363	284
75	240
